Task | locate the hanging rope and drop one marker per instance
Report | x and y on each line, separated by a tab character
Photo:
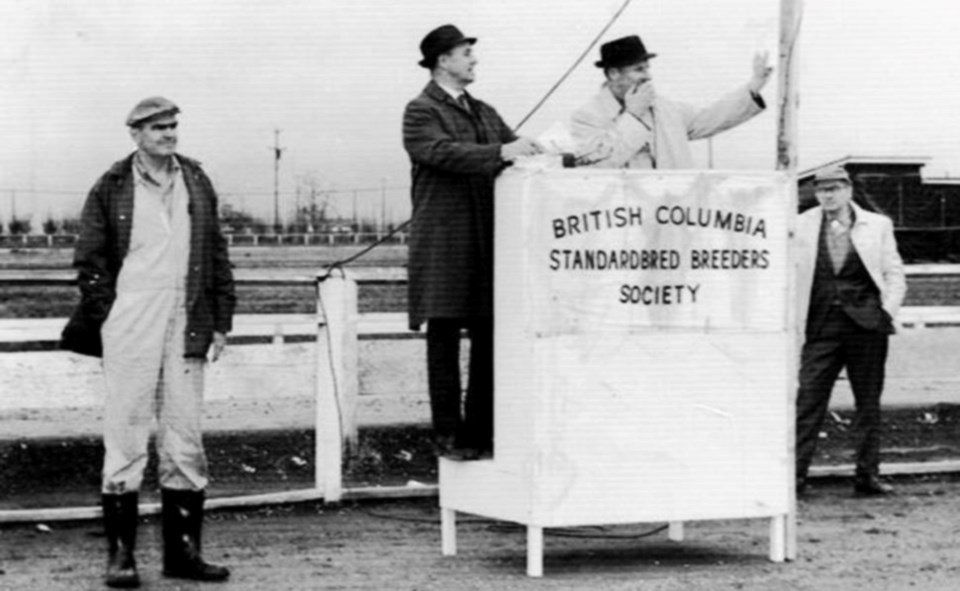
570	70
346	261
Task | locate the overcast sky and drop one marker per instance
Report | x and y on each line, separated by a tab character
877	78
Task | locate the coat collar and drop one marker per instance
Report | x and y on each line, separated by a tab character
122	168
434	91
859	214
608	102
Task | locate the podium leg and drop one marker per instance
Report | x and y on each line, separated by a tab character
790	552
778	538
675	531
534	551
448	531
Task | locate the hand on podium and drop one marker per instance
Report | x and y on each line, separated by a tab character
519	148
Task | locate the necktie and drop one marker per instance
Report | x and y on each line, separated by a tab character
462	101
838	242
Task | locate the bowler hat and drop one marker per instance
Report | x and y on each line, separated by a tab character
150	108
625	51
832	173
441	40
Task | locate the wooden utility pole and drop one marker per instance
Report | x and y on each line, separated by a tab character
791	15
383	206
356	220
277	151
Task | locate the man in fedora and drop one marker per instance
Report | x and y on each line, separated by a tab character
850	283
157	300
628	125
457	145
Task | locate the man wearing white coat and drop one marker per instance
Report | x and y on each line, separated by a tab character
850	285
628	125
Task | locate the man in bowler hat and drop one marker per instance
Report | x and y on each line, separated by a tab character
157	301
628	125
850	284
457	145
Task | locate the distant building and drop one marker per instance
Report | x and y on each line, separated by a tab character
925	211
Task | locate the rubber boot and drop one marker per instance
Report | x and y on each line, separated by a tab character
120	524
182	515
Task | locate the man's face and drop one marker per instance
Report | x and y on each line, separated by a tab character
624	79
833	195
157	137
458	63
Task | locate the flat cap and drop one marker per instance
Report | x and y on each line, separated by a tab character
149	108
832	173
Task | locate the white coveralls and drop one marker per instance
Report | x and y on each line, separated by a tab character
146	374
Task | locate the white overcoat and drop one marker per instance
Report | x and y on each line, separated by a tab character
605	133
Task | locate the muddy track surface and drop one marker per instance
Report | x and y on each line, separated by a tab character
909	541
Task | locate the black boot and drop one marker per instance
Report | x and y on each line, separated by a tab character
870	485
120	524
182	524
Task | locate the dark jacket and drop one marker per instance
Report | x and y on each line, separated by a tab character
102	246
455	157
851	289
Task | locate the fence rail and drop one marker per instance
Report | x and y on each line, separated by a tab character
291	239
336	327
33	334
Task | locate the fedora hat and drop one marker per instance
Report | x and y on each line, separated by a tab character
441	40
625	51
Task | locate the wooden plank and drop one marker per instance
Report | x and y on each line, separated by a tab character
44	333
408	492
67	277
47	330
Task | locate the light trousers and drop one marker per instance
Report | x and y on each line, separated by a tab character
151	383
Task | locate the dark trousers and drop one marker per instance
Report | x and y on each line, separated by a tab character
841	343
469	421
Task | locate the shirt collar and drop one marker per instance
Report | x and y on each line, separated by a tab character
455	94
845	216
142	172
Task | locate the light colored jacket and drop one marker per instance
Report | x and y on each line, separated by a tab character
613	138
872	238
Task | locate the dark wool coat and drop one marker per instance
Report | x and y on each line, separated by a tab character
455	156
105	239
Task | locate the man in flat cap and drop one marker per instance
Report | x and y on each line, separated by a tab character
628	125
850	285
157	300
457	145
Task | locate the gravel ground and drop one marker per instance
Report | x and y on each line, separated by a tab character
909	541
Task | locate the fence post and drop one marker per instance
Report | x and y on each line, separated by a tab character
337	380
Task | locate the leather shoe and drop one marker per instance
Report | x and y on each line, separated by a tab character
871	486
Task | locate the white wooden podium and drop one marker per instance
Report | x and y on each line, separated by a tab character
652	383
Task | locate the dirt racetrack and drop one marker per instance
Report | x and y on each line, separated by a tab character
909	541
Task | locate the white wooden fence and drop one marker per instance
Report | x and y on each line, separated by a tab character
337	326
